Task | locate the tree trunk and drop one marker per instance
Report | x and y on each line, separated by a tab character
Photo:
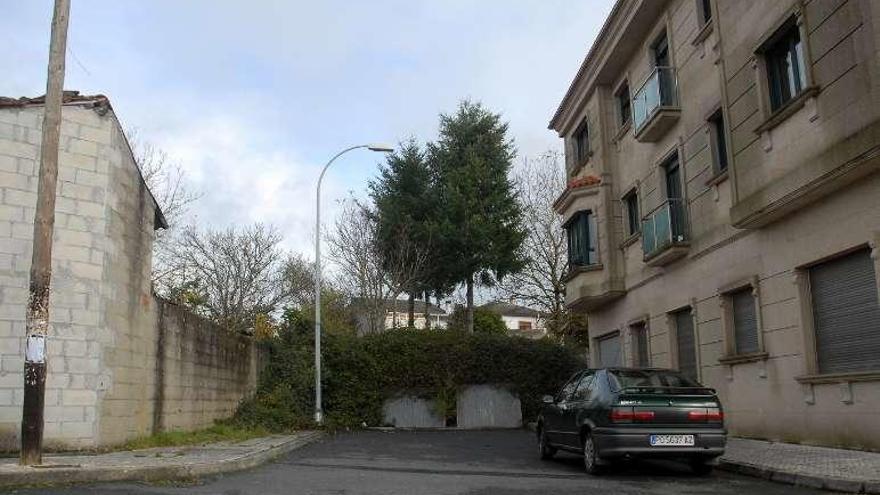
427	311
411	312
470	304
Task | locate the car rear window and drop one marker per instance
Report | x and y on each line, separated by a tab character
664	382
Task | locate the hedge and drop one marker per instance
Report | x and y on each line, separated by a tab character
360	373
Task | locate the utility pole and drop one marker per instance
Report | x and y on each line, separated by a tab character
37	317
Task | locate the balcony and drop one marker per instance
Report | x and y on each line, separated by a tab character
589	287
665	233
655	105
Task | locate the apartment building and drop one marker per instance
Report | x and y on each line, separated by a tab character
723	206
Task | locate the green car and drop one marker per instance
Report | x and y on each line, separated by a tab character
620	413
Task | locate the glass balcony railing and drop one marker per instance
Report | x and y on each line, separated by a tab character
664	226
658	91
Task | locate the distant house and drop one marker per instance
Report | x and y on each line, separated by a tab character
520	320
397	315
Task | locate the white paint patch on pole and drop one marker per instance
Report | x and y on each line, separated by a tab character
35	352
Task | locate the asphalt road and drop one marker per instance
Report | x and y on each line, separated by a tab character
475	463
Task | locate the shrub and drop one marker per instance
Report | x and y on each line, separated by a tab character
485	321
360	373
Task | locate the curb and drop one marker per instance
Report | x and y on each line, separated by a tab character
798	479
75	475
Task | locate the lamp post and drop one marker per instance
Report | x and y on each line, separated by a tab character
319	414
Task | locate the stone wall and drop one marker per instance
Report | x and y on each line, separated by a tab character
204	373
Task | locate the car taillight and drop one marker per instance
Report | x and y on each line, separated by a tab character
710	415
629	414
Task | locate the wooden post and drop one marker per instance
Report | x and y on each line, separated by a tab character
37	317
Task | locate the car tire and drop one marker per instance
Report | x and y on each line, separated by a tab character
591	455
545	450
702	467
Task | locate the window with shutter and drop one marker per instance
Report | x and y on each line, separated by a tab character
609	350
685	342
640	345
745	321
846	314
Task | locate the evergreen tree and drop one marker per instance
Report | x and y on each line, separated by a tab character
478	220
403	199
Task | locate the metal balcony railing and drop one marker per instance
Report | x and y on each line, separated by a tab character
659	90
665	226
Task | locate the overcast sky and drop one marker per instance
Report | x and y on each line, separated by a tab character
251	97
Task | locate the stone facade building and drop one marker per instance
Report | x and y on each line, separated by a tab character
121	363
723	208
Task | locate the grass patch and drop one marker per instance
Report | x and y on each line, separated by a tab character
217	433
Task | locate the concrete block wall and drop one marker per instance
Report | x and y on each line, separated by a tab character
76	302
114	372
204	370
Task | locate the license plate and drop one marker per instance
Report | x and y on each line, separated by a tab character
672	440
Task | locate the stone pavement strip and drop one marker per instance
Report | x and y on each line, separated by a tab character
158	464
839	470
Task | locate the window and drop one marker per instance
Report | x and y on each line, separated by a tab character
640	345
624	112
584	388
745	321
568	389
631	203
609	350
525	325
705	8
685	343
846	314
581	231
718	141
784	60
582	143
661	51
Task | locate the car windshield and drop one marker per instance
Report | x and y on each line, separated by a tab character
652	381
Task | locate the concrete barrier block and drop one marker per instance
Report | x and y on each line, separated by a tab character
487	406
411	412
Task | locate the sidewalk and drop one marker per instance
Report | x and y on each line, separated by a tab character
166	463
840	470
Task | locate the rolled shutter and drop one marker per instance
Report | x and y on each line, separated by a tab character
846	314
609	351
687	351
745	322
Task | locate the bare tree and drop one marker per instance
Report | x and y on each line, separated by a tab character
237	272
540	284
167	181
373	281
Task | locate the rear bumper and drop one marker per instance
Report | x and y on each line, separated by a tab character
634	442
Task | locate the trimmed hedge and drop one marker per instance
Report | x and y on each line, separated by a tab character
360	373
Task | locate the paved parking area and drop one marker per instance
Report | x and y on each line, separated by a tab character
456	462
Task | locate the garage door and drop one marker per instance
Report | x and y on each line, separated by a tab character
846	314
609	350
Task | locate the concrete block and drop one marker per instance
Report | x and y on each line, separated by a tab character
78	429
82	147
8	163
76	161
17	197
82	365
62	414
18	149
486	406
79	397
11	213
14	180
90	209
82	192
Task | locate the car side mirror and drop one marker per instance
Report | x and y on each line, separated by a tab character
547	399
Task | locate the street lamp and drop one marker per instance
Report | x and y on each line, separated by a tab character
319	414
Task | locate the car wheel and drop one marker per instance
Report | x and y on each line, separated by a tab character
591	455
702	467
544	448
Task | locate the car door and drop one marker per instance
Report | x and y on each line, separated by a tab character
553	420
578	402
